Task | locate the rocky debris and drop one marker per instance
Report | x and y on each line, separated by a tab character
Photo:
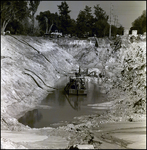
137	38
130	78
8	144
116	44
82	137
82	147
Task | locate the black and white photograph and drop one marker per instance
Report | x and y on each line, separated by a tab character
73	74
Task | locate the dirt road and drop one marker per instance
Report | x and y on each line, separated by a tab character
121	135
33	139
124	135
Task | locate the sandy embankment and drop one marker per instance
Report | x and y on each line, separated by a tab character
30	67
29	73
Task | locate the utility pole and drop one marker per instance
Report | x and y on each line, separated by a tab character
117	21
115	18
110	21
46	19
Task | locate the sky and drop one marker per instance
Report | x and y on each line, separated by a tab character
122	12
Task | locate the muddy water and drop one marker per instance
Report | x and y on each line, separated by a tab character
64	107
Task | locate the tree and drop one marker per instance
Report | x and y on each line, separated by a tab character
43	21
114	30
120	30
89	20
47	21
101	28
33	5
26	24
15	27
64	17
84	22
12	10
81	26
101	21
55	21
99	13
72	28
139	24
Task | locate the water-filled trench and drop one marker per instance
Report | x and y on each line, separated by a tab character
63	107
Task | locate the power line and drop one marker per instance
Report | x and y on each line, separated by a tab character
129	10
111	12
129	14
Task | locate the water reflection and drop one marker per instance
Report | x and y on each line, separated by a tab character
93	92
31	117
56	98
60	98
75	101
63	107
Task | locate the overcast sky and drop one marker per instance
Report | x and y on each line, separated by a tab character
125	11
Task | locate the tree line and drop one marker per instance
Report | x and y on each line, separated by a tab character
85	25
139	24
19	16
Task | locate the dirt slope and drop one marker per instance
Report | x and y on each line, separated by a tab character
30	67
